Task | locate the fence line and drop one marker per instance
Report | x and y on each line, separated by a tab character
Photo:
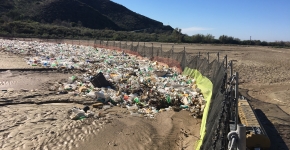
223	103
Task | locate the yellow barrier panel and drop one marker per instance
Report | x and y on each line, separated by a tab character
206	87
191	73
186	71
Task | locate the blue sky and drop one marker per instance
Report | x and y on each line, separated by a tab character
267	20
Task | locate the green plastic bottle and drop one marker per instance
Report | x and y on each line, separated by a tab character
136	99
168	99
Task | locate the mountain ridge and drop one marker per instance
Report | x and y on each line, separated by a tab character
94	14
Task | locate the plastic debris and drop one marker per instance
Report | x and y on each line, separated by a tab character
79	114
113	78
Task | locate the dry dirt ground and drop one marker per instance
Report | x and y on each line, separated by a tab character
264	75
264	80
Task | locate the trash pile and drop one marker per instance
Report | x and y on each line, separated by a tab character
114	78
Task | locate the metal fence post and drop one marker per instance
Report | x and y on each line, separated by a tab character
242	137
218	55
208	57
157	53
231	68
198	57
236	98
208	63
184	57
226	61
226	70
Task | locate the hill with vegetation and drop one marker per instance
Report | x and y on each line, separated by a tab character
96	19
93	14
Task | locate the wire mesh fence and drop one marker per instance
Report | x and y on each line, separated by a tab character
217	124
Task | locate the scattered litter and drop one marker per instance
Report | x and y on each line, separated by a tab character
113	78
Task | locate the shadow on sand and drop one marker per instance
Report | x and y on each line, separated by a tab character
276	140
276	132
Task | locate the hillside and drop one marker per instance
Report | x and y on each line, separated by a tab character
122	16
94	14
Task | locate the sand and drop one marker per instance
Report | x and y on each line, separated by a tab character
32	117
47	126
264	80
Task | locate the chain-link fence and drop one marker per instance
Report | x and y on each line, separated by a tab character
217	123
210	65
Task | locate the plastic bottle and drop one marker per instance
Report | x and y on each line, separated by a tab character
100	94
135	114
136	100
183	106
133	107
106	107
71	79
92	94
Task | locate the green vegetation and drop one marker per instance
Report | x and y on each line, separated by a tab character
94	14
68	30
62	29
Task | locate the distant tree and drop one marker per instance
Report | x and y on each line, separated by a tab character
57	22
257	42
6	19
264	43
230	40
282	43
175	34
223	39
198	38
66	24
42	21
208	38
179	35
80	24
187	39
237	40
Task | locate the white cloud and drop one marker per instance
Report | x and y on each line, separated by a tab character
194	30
